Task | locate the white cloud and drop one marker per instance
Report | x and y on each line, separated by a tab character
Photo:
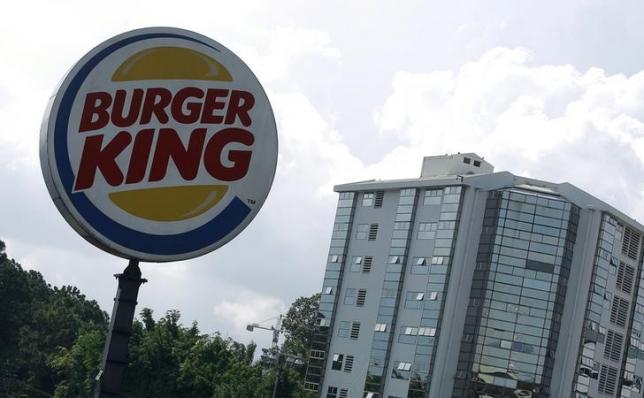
249	307
551	122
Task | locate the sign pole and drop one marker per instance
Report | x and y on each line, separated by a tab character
115	353
118	181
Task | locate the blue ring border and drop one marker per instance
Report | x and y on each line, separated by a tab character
206	235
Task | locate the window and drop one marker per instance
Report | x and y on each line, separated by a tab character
404	366
367	199
407	335
328	290
348	363
355	330
433	197
356	264
332	392
344	393
380	327
401	370
366	264
439	260
343	329
338	360
311	386
413	300
362	296
427	230
432	296
380	195
427	332
421	261
373	231
362	230
477	163
394	260
317	354
467	160
334	258
411	331
350	296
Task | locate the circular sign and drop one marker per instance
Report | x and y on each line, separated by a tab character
160	144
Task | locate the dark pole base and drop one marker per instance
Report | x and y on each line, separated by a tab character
115	354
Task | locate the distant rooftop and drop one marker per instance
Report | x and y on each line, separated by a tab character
455	164
471	169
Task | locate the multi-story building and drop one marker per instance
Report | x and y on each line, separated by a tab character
470	283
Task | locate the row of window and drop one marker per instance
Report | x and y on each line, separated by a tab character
367	232
358	297
343	362
364	263
351	329
375	199
426	231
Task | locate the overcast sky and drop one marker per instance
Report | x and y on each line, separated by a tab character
362	89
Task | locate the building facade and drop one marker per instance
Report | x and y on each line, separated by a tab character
470	283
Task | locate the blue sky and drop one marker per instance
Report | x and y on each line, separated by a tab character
551	90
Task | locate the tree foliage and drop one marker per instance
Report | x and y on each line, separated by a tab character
298	325
36	322
51	342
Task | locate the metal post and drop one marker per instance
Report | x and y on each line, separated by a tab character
115	354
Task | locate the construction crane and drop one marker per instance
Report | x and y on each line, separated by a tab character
275	348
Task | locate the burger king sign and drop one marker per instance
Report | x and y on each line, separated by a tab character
160	144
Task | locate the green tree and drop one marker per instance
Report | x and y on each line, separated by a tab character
298	325
77	366
37	321
51	341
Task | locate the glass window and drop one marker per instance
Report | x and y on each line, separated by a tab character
427	230
343	328
427	332
350	296
356	264
362	231
401	370
412	331
413	300
433	197
337	361
367	199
